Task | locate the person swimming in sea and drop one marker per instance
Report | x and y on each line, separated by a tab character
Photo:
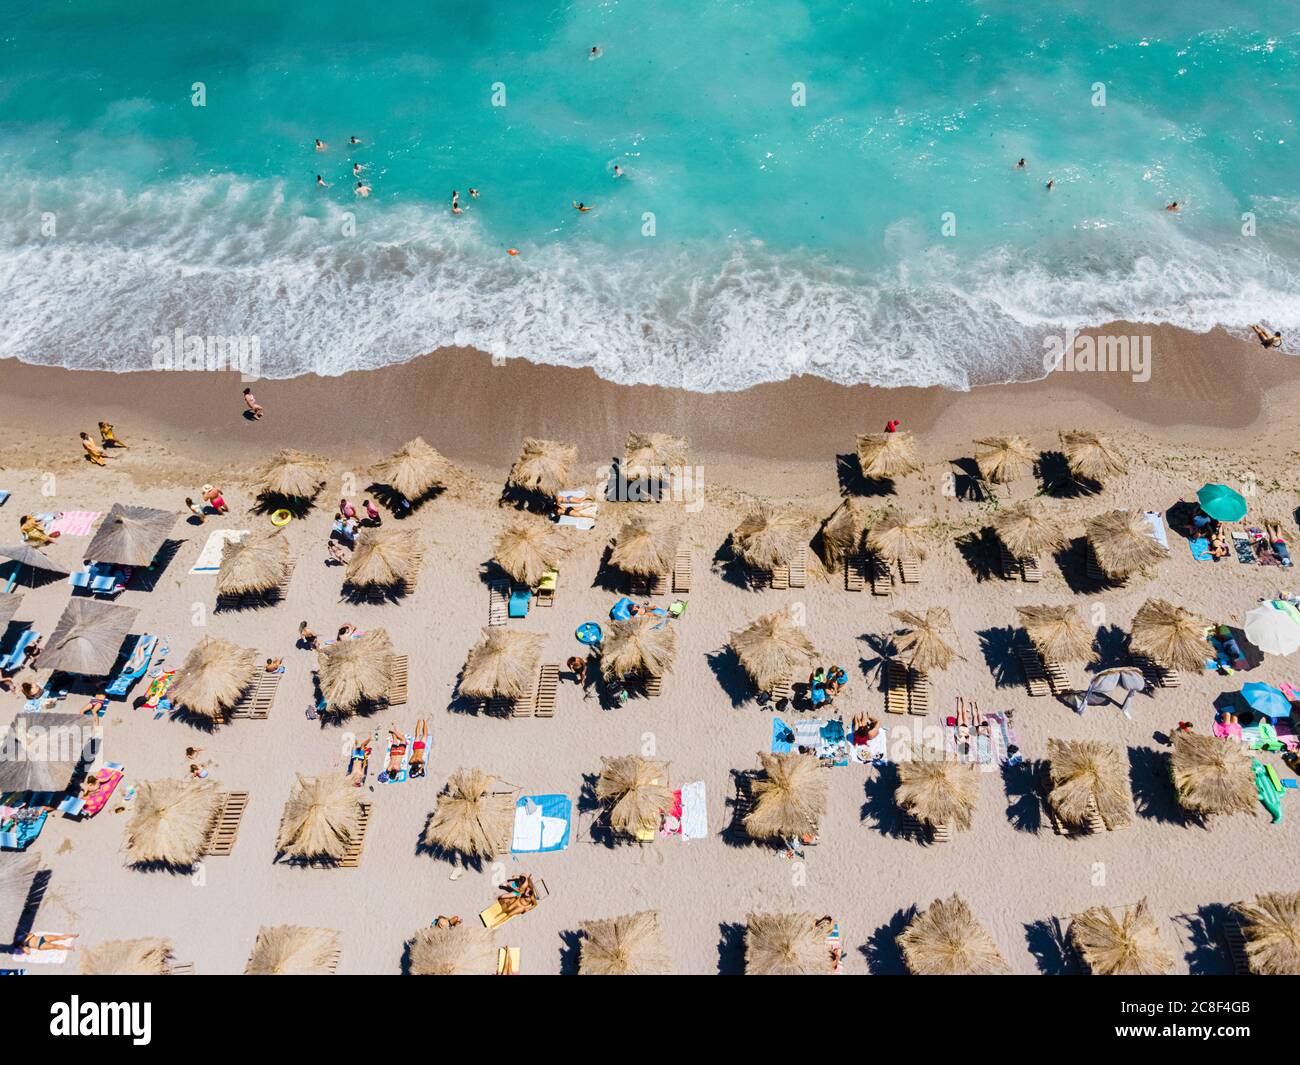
357	168
354	140
473	194
455	202
320	145
322	182
1021	165
579	206
1172	206
362	189
595	52
618	171
1050	183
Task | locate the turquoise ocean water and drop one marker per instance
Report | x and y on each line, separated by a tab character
747	240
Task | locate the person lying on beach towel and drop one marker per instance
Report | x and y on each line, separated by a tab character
418	748
396	751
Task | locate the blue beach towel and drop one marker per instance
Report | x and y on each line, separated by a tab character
1200	548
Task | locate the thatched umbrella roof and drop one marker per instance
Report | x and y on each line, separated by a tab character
947	940
636	791
9	605
292	950
292	474
461	950
652	455
543	466
789	797
924	645
1084	772
527	549
254	564
128	957
1028	530
630	945
773	648
1124	944
41	751
1171	635
215	674
937	790
88	637
1057	631
785	944
475	814
321	818
1272	928
887	455
412	470
131	536
171	822
502	664
769	537
844	532
895	535
1123	544
641	646
356	671
17	875
383	557
29	556
1001	459
1091	455
1212	775
645	547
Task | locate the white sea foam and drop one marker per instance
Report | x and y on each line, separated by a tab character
231	258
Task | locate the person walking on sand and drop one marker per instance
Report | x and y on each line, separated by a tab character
196	510
346	509
92	452
373	518
250	401
212	497
107	437
1269	340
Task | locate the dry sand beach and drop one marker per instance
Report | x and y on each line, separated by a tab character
1215	410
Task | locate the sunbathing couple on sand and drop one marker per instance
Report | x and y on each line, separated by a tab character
397	750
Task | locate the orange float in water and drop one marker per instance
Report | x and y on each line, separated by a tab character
512	251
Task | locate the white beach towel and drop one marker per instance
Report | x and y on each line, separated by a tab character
576	523
1157	524
695	819
209	560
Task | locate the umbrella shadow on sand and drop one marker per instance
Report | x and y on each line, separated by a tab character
1021	785
880	808
881	951
1206	930
998	646
982	553
1153	792
731	948
731	676
1049	944
853	482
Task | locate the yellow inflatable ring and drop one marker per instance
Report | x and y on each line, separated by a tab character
281	518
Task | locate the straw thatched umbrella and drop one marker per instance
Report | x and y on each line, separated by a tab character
924	646
1271	925
1001	459
128	957
771	649
29	556
292	474
1057	631
383	557
947	940
645	547
461	950
321	819
18	874
88	637
528	549
1122	542
1127	944
543	466
503	664
844	532
356	671
1027	530
630	945
41	751
769	537
292	950
1091	455
1170	635
1211	775
937	790
171	822
474	817
215	674
883	456
635	790
786	944
1087	774
9	605
131	536
642	646
789	797
650	456
254	564
413	470
894	536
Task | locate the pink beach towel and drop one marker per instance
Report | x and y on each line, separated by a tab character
74	522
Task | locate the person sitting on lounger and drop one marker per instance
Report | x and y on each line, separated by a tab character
275	665
865	729
396	751
419	748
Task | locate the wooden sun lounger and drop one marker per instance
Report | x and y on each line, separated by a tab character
352	856
743	803
548	684
941	833
912	826
882	577
783	690
640	584
497	592
413	576
1157	675
1095	572
1234	938
654	685
397	691
545	597
1056	678
255	703
1096	823
918	693
910	570
798	568
1010	570
1032	665
180	969
855	573
778	579
225	830
1030	569
682	574
895	687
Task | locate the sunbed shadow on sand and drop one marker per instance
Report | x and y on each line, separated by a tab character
1072	561
853	482
1048	943
982	553
570	952
731	948
1206	929
998	646
1022	785
879	808
881	951
1059	481
968	483
1153	789
373	595
198	722
731	676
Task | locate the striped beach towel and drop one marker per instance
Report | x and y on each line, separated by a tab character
74	522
